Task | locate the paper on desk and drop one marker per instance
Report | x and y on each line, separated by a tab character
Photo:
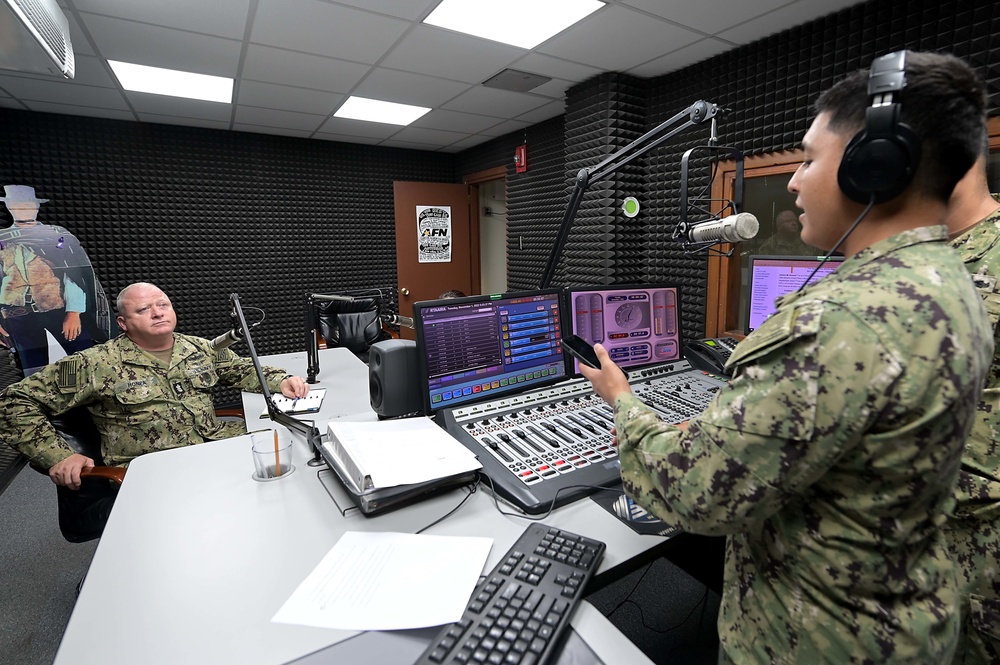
389	581
402	452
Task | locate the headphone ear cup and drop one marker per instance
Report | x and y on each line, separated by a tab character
883	166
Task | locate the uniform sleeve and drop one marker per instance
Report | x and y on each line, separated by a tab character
239	372
766	437
25	408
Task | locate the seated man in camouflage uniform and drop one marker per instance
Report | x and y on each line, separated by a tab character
830	460
149	389
974	531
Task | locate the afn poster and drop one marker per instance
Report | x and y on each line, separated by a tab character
434	234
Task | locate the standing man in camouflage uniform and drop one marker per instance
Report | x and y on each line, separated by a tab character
149	389
974	532
830	460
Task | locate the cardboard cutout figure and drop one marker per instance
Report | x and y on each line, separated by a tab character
48	284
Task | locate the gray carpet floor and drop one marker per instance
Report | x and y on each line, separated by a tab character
41	571
663	610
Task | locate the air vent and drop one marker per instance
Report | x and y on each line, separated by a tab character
35	38
511	79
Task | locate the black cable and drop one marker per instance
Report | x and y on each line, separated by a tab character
864	213
552	504
451	512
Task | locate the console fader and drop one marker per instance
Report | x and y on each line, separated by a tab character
535	444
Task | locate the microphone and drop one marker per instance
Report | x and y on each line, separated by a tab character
398	320
227	339
734	228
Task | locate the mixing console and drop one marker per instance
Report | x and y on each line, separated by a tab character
536	444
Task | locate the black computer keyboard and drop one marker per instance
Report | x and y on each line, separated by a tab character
519	611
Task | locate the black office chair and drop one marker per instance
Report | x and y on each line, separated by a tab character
353	322
84	512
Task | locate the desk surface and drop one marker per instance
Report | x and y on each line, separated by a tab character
197	556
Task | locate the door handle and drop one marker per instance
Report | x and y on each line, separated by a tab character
404	291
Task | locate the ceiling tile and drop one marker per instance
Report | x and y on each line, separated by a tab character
437	52
789	15
144	102
62	92
638	38
409	146
225	18
345	138
81	45
9	103
270	65
538	63
281	131
185	121
682	57
505	127
375	130
556	88
141	44
408	9
317	27
288	98
709	16
70	109
429	136
469	142
274	118
490	101
542	113
453	120
390	85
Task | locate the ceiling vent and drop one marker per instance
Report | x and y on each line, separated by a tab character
511	79
34	37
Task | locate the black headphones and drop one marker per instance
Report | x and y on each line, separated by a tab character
881	159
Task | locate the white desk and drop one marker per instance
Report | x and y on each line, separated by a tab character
197	556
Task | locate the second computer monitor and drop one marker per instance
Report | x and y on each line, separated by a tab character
775	276
638	324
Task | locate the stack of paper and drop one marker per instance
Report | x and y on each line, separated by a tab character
389	453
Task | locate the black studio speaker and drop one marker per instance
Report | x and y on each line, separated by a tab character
392	378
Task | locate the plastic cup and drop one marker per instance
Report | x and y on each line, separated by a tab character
272	454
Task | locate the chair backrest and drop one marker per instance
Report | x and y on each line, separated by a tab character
354	324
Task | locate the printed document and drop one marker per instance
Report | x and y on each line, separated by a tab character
389	581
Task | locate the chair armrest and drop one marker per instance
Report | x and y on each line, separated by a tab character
113	473
233	412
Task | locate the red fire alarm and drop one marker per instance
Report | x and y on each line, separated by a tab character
521	158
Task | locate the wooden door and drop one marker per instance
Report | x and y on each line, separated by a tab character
418	280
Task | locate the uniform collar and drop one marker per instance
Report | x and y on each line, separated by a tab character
980	239
908	238
133	355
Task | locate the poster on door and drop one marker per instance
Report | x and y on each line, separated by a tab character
434	234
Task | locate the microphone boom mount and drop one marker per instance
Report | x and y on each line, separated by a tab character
696	114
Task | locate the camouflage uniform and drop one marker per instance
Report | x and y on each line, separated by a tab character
830	461
138	405
974	534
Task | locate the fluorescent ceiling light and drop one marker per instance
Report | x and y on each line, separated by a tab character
524	23
140	78
372	110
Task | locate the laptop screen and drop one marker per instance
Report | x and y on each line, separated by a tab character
773	276
638	324
484	347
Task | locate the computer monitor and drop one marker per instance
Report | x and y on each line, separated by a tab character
484	347
638	324
774	276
